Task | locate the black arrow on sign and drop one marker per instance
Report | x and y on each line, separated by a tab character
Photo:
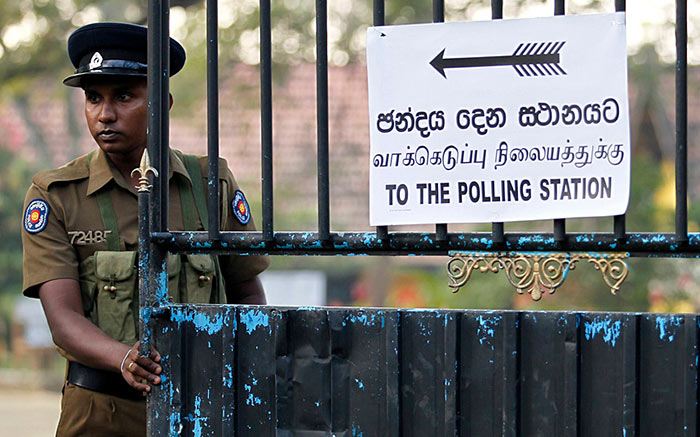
529	59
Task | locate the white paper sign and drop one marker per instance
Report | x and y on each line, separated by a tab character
501	120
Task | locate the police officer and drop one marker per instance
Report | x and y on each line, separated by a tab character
80	238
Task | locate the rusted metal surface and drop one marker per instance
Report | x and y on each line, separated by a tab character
414	243
238	370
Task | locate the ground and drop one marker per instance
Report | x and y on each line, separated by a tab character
29	413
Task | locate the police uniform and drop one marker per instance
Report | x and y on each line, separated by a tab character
81	222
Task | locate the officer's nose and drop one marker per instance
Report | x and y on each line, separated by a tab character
107	114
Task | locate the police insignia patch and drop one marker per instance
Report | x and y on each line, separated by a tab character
240	208
35	216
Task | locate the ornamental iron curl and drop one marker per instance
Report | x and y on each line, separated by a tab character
535	273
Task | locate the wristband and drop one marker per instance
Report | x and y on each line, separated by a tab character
121	368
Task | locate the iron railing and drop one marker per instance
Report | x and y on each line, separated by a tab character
580	360
383	241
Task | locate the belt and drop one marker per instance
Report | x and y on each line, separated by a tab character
102	381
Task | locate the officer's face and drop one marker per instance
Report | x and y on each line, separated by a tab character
115	110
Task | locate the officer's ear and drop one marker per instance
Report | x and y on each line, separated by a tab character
171	101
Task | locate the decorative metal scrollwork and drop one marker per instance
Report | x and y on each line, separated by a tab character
535	273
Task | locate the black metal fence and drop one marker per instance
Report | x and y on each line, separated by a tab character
261	371
382	242
232	370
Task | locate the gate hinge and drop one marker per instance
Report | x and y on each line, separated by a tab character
535	272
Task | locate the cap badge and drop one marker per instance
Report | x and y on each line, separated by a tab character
96	61
241	209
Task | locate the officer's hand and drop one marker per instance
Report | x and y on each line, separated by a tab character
138	371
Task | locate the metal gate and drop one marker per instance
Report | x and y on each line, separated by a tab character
236	370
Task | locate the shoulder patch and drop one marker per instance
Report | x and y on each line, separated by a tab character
36	216
240	208
74	170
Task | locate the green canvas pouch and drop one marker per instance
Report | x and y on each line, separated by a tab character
117	294
199	272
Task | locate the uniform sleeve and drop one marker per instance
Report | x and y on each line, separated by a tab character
46	248
237	217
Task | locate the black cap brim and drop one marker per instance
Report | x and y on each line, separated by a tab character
76	80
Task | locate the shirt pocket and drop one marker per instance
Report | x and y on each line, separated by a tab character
117	301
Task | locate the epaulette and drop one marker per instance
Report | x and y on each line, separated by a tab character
75	170
204	163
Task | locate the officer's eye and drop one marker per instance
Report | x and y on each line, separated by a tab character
124	96
92	98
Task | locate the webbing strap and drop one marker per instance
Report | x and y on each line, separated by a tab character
192	165
104	201
186	204
109	219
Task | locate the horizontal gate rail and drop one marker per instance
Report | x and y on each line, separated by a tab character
412	243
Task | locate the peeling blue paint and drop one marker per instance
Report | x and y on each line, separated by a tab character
254	318
343	245
667	327
161	287
485	331
201	321
251	400
366	319
611	330
228	376
175	424
197	419
356	431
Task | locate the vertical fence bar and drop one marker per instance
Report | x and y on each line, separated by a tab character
379	16
620	5
497	228
379	13
157	80
213	117
559	7
559	224
681	120
496	9
158	75
619	221
438	11
158	59
322	119
266	117
439	17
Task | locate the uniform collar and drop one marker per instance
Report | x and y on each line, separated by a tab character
102	171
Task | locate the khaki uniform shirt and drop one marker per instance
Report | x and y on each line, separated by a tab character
73	230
